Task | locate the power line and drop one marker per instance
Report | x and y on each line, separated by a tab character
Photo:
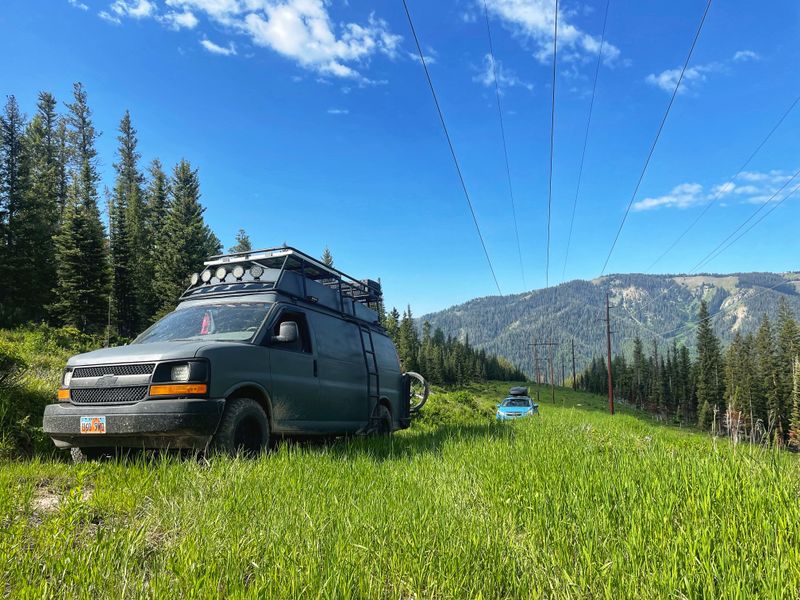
658	135
552	143
764	216
723	187
450	144
503	135
722	246
585	139
718	249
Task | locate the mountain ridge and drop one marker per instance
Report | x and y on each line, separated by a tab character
661	307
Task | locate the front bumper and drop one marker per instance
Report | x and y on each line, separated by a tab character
514	416
180	423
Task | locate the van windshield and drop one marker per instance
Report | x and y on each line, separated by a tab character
223	321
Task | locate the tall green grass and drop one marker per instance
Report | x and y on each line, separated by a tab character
574	503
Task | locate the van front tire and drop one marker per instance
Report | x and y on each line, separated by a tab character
244	428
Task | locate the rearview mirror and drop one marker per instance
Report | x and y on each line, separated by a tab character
288	333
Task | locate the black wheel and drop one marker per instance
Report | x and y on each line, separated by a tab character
244	428
383	421
80	455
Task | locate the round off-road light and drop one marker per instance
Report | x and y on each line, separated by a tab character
206	276
221	273
195	278
256	271
238	271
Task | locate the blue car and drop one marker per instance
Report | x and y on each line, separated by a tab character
516	406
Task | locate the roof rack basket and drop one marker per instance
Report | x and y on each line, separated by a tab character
291	271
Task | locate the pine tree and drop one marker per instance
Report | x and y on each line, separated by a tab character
242	242
786	350
639	372
710	377
13	186
392	324
794	420
327	257
158	207
768	403
408	342
130	256
81	256
190	239
37	219
686	393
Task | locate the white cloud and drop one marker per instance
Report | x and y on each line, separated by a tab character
302	30
745	55
758	188
338	111
180	20
77	4
135	9
106	16
695	75
533	19
430	56
667	80
230	50
681	196
505	77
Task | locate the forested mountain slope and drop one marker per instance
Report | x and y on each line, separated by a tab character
654	307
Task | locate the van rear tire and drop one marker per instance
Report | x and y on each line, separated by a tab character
383	421
244	428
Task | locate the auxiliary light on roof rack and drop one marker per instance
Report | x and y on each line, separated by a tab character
283	269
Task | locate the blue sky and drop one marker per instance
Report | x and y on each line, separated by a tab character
311	123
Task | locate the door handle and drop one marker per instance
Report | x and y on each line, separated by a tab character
315	367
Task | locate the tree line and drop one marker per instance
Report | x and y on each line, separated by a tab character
749	390
64	266
443	360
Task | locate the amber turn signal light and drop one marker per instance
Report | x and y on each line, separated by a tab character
63	395
195	389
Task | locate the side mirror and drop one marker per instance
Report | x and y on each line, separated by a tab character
288	333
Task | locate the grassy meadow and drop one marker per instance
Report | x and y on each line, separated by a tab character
574	503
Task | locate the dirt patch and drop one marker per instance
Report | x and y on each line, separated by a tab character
46	500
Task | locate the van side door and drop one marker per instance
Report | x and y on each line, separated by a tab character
294	387
342	373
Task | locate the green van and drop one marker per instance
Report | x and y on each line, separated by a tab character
263	344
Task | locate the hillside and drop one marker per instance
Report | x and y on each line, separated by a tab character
574	503
660	307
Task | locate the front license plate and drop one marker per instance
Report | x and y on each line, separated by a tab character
93	425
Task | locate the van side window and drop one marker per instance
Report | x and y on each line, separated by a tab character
303	343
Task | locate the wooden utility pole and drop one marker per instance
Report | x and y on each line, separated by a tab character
536	361
574	380
608	341
550	361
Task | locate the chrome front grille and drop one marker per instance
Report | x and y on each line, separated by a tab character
132	369
119	395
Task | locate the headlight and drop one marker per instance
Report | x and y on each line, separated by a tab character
180	372
66	378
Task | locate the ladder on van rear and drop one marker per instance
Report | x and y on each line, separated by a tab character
371	362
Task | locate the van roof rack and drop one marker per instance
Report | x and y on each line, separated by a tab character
278	262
